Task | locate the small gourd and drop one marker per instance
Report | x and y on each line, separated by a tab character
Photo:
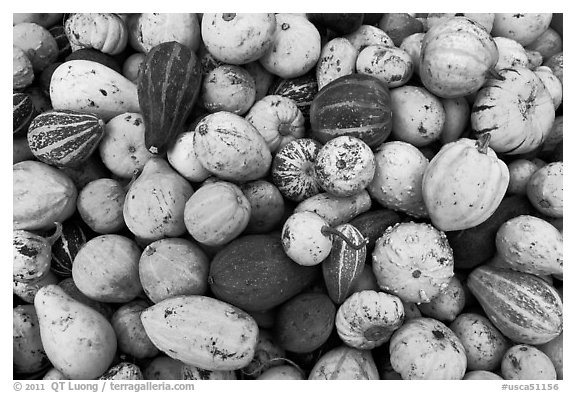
228	88
527	362
545	189
104	32
393	66
146	30
32	254
523	28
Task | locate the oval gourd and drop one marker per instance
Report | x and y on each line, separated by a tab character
22	71
523	28
413	46
104	32
38	44
130	334
100	204
448	304
228	88
123	371
392	65
527	362
267	206
545	189
337	58
301	90
146	30
23	112
552	84
202	331
66	247
32	254
182	157
367	35
28	352
457	118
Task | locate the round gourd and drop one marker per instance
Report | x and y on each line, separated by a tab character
552	84
448	304
231	148
337	58
100	204
413	46
295	47
22	71
527	362
464	184
301	90
424	348
42	195
106	269
456	57
278	120
344	166
523	28
510	54
392	65
484	344
413	261
353	105
228	88
217	213
345	363
545	189
266	206
418	115
146	30
457	118
32	254
130	333
397	181
238	38
104	32
554	350
520	172
293	170
367	319
517	111
303	239
182	156
37	43
131	66
485	19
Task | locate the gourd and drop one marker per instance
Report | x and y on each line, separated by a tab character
182	157
545	189
267	206
336	210
464	184
510	54
301	90
367	35
523	28
486	20
448	304
22	71
345	363
457	118
552	84
228	88
456	57
413	46
123	371
547	44
520	170
32	254
393	66
23	112
146	30
130	333
38	44
104	32
168	86
527	362
66	247
100	204
28	352
337	58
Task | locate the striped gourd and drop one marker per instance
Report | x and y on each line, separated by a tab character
64	249
302	90
344	264
168	86
64	138
22	112
522	306
356	105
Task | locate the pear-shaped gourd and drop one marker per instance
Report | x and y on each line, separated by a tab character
78	340
154	204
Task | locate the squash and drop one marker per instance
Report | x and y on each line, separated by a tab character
91	55
530	245
517	111
552	84
527	362
337	58
456	57
66	247
278	120
484	344
413	261
168	86
393	66
523	28
162	194
202	332
28	352
397	181
520	170
545	189
100	204
238	38
130	333
293	170
106	269
90	87
228	88
104	32
367	35
486	20
510	54
522	306
122	148
37	43
22	71
344	166
217	213
304	323
267	206
354	105
231	148
547	44
23	112
301	90
131	66
456	120
336	210
32	254
464	184
367	319
424	348
413	46
419	116
64	138
399	26
254	273
345	363
27	291
295	47
123	371
42	195
146	30
182	157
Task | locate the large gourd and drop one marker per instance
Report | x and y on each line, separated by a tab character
168	86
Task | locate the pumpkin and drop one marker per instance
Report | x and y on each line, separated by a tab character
464	184
367	35
278	120
353	105
293	170
545	189
295	47
484	344
517	111
527	362
391	65
510	54
397	181
42	195
337	58
238	38
104	32
28	352
146	30
345	363
424	348
266	206
344	166
456	57
130	333
301	90
552	84
32	254
228	88
217	213
523	28
367	319
38	44
413	261
231	148
522	306
182	157
168	87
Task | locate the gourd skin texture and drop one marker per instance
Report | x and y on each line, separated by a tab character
147	30
345	363
104	32
337	58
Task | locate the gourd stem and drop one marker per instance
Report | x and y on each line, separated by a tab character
482	143
56	235
326	230
494	74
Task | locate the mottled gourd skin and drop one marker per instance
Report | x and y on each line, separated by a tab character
367	35
104	32
527	362
523	28
345	363
146	30
303	240
28	351
545	189
228	88
391	65
123	371
337	58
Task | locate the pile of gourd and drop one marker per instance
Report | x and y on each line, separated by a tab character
287	196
